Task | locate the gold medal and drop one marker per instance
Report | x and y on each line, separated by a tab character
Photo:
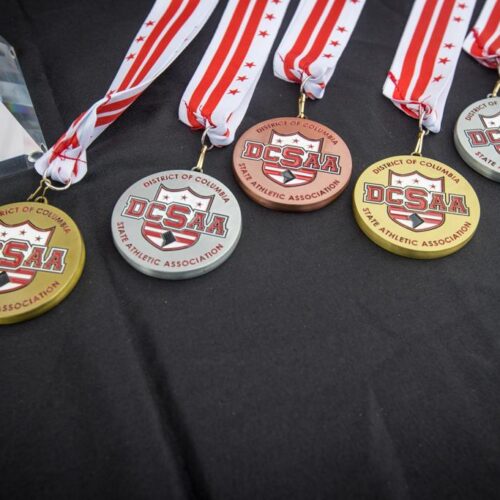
416	207
41	258
412	205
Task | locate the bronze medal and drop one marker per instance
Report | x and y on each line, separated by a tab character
41	259
292	164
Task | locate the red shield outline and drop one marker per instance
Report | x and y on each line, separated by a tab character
301	176
155	233
415	220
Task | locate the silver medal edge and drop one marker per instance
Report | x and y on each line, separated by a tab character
479	167
177	274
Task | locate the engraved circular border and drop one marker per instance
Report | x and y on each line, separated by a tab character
306	197
367	221
177	264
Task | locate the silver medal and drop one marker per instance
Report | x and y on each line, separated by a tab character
477	137
176	224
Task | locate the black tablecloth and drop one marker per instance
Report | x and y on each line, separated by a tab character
311	365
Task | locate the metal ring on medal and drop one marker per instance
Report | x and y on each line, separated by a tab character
41	259
477	137
416	207
292	164
176	224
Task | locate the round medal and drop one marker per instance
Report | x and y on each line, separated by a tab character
292	164
41	259
416	207
176	224
477	137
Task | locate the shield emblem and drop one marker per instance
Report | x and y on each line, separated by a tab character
492	121
291	177
14	279
168	239
414	220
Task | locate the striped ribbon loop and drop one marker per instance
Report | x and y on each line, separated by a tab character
220	91
314	42
483	41
166	32
422	72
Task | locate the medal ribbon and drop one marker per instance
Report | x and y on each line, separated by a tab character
422	72
167	31
483	42
220	91
314	42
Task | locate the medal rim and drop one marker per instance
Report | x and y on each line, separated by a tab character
181	274
68	286
393	248
279	205
469	159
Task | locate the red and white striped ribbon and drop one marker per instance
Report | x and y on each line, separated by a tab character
422	71
483	42
167	31
313	44
220	91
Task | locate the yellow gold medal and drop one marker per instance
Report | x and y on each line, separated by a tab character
416	207
41	257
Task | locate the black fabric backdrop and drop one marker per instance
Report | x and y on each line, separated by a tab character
312	365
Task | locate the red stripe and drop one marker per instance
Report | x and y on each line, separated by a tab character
475	49
28	272
436	41
237	59
425	220
301	174
424	217
489	29
298	175
399	217
19	281
303	177
411	56
150	41
294	171
117	105
178	237
186	241
154	225
323	35
188	232
409	111
420	214
106	120
493	48
303	38
215	64
152	233
171	33
302	170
